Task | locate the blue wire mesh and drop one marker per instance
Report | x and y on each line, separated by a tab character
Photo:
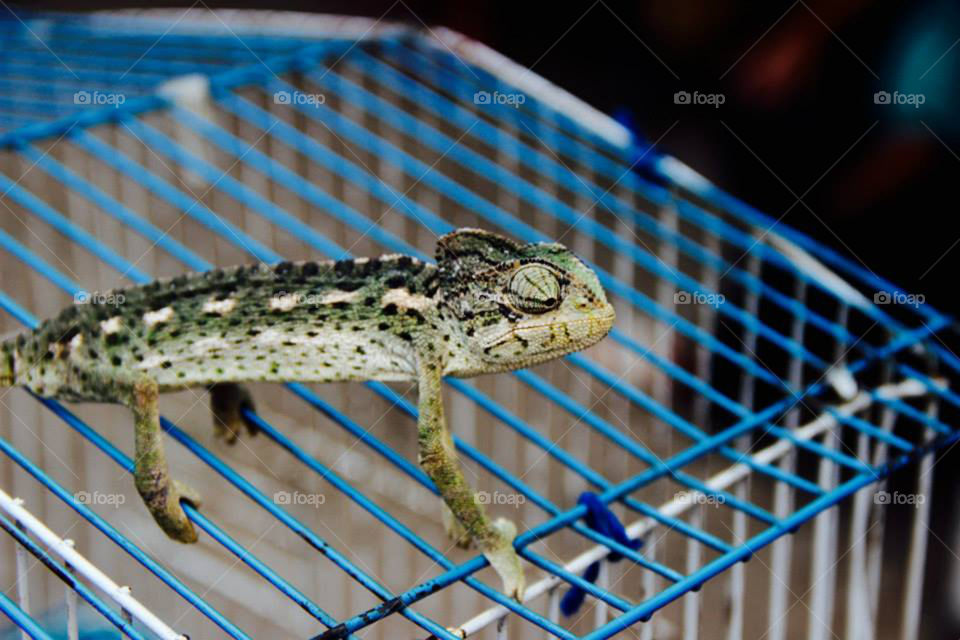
444	152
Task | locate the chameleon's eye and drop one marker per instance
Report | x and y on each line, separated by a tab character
534	289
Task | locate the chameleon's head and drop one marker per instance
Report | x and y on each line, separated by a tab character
519	305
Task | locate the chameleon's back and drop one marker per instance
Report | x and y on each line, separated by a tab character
318	321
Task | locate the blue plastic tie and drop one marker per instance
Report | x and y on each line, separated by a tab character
601	519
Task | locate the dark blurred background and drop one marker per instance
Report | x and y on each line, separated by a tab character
802	132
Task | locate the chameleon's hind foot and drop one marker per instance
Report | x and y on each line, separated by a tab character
504	559
228	401
164	505
455	531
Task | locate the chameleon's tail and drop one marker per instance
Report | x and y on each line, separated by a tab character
8	377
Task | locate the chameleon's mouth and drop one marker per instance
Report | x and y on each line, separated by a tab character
584	332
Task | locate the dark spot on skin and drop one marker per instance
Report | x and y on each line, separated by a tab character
394	282
390	310
181	374
369	301
253	332
361	350
405	262
446	337
138	357
405	335
175	333
310	269
471	331
288	343
357	327
92	353
340	305
220	370
413	313
283	267
350	285
116	361
343	267
383	326
235	321
312	334
166	364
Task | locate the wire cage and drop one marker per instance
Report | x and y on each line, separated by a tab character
741	419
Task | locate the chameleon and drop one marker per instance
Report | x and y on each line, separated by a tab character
488	305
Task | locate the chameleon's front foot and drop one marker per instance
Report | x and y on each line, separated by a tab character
163	502
504	559
228	402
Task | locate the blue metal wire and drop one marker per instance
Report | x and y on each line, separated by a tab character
124	55
22	619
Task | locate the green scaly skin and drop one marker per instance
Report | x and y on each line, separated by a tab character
489	305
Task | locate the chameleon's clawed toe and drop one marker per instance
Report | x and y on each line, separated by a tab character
228	402
504	559
188	493
164	505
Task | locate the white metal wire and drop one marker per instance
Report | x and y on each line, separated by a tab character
64	548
